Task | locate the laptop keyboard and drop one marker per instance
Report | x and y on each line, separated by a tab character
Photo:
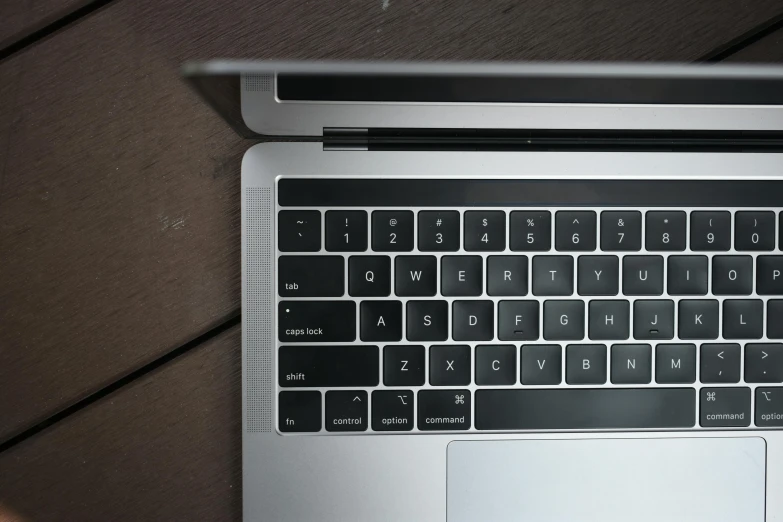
470	319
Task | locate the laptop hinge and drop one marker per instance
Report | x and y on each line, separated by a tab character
343	138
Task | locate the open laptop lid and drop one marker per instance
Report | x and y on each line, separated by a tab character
310	100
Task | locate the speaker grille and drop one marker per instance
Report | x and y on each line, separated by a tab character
258	82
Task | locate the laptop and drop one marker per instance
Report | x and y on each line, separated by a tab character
509	292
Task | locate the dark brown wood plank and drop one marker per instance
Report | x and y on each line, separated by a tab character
19	18
767	50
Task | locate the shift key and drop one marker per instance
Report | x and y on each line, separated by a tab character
316	321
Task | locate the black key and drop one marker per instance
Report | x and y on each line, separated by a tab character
444	410
460	275
541	364
720	363
575	230
392	410
299	231
724	407
780	231
665	230
754	231
380	321
769	407
415	275
732	275
643	275
586	364
327	366
496	364
518	320
403	365
473	321
553	275
687	275
653	319
346	410
485	230
316	321
711	231
392	230
769	275
764	362
299	411
530	231
609	320
310	276
743	319
450	365
698	319
564	320
774	324
598	275
675	363
631	364
369	276
439	231
427	321
507	275
621	231
581	409
346	231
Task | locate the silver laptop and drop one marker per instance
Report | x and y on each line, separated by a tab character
496	292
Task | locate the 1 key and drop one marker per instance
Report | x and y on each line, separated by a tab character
392	231
346	231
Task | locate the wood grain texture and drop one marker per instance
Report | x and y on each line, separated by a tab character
19	18
767	50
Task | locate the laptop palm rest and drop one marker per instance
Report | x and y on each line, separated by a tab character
603	480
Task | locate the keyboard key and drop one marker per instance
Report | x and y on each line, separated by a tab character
444	410
530	231
774	324
687	275
732	275
439	231
392	230
675	363
507	275
586	364
653	319
403	365
609	320
665	230
720	363
711	231
631	364
764	362
316	321
380	321
310	276
392	410
346	231
450	365
346	410
369	276
496	365
553	275
698	319
743	319
598	275
643	275
564	320
299	231
518	320
575	230
724	407
427	321
330	366
769	407
754	231
485	230
299	411
621	231
473	321
769	275
541	364
461	275
415	275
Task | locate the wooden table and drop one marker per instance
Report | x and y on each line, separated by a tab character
119	216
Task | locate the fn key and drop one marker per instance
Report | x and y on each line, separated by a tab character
299	411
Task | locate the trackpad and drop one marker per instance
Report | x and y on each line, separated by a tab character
607	480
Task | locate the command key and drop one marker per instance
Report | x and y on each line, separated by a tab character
769	407
724	407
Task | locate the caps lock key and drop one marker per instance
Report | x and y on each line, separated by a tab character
316	321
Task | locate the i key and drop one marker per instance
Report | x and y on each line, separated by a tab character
485	230
754	231
575	230
346	231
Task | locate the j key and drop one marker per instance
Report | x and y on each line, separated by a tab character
392	410
687	275
724	407
461	275
743	319
564	320
518	320
346	410
299	231
369	276
631	364
380	321
621	231
392	230
653	319
444	410
720	363
346	231
774	324
415	275
299	411
316	321
530	231
732	275
329	366
473	321
754	231
698	319
496	365
675	363
575	230
450	365
507	275
769	275
541	364
665	230
427	320
711	231
310	276
643	275
598	275
586	364
769	407
439	231
553	275
403	365
764	362
485	230
609	320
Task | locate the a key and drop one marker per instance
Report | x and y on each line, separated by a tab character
310	276
769	407
496	365
586	364
427	321
439	231
769	275
675	363
346	410
461	275
518	320
564	320
598	275
403	365
720	363
732	275
764	362
346	231
724	407
530	231
473	321
299	411
507	275
485	230
450	365
392	410
444	410
541	364
369	276
774	324
380	321
392	230
415	276
698	319
665	230
553	275
754	231
643	275
575	230
621	231
330	366
743	319
316	321
687	275
711	231
609	320
299	231
653	319
631	364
